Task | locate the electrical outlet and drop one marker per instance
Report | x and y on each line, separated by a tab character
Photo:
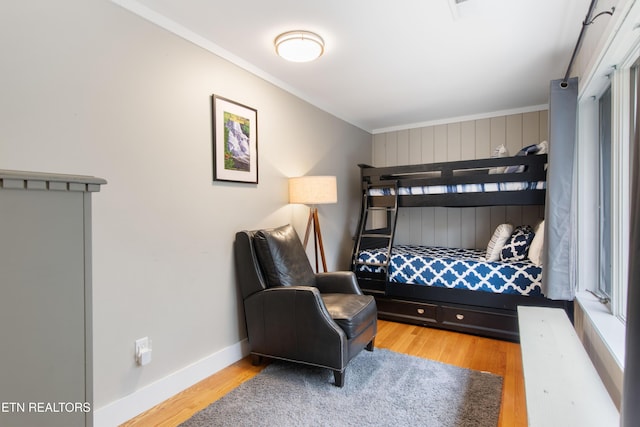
143	351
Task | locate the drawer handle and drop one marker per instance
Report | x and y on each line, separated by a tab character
420	311
459	316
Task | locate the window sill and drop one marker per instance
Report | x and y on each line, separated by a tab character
610	329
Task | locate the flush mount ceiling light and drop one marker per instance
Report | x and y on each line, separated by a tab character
299	46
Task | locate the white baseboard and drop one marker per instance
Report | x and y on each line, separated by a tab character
122	410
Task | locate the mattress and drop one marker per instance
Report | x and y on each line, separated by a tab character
455	268
461	188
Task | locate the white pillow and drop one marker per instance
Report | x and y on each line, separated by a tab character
543	147
499	151
499	238
535	250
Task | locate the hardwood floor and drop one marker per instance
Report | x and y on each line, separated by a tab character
467	351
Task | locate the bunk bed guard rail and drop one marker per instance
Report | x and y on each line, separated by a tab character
523	183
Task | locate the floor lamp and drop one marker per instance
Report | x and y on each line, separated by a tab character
313	191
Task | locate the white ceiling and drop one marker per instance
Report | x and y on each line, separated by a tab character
390	64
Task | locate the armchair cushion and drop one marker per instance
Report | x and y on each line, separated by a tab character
353	313
282	257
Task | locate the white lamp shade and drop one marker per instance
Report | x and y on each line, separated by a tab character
313	190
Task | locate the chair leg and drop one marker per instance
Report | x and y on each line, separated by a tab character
369	346
256	359
338	377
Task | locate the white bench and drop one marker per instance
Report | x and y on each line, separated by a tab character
562	386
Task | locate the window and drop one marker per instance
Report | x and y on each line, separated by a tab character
604	193
614	121
607	92
633	114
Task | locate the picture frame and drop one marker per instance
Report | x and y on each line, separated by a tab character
235	141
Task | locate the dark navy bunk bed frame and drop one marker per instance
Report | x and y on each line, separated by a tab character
482	313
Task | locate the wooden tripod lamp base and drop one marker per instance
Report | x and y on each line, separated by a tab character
314	190
317	237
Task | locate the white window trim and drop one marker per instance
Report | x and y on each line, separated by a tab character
620	171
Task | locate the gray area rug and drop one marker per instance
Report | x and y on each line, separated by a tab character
382	388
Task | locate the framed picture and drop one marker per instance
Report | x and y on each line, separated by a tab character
235	141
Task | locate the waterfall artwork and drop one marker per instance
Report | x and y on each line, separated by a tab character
236	147
235	150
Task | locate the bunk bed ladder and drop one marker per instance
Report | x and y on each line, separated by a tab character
373	235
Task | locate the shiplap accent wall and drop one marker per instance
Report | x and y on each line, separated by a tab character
473	139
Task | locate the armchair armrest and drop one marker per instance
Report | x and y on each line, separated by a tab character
292	322
338	282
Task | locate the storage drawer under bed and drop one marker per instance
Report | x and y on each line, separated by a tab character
407	311
500	324
481	322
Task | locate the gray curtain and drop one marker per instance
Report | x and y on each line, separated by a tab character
558	280
630	412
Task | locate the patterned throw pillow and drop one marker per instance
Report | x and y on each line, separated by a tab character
499	238
517	246
529	149
543	147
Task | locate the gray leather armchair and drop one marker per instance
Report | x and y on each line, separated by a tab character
295	314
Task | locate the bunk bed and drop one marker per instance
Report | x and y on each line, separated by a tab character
448	288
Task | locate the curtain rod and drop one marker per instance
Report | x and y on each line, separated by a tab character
588	20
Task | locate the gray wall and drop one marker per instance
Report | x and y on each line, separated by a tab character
471	139
89	88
